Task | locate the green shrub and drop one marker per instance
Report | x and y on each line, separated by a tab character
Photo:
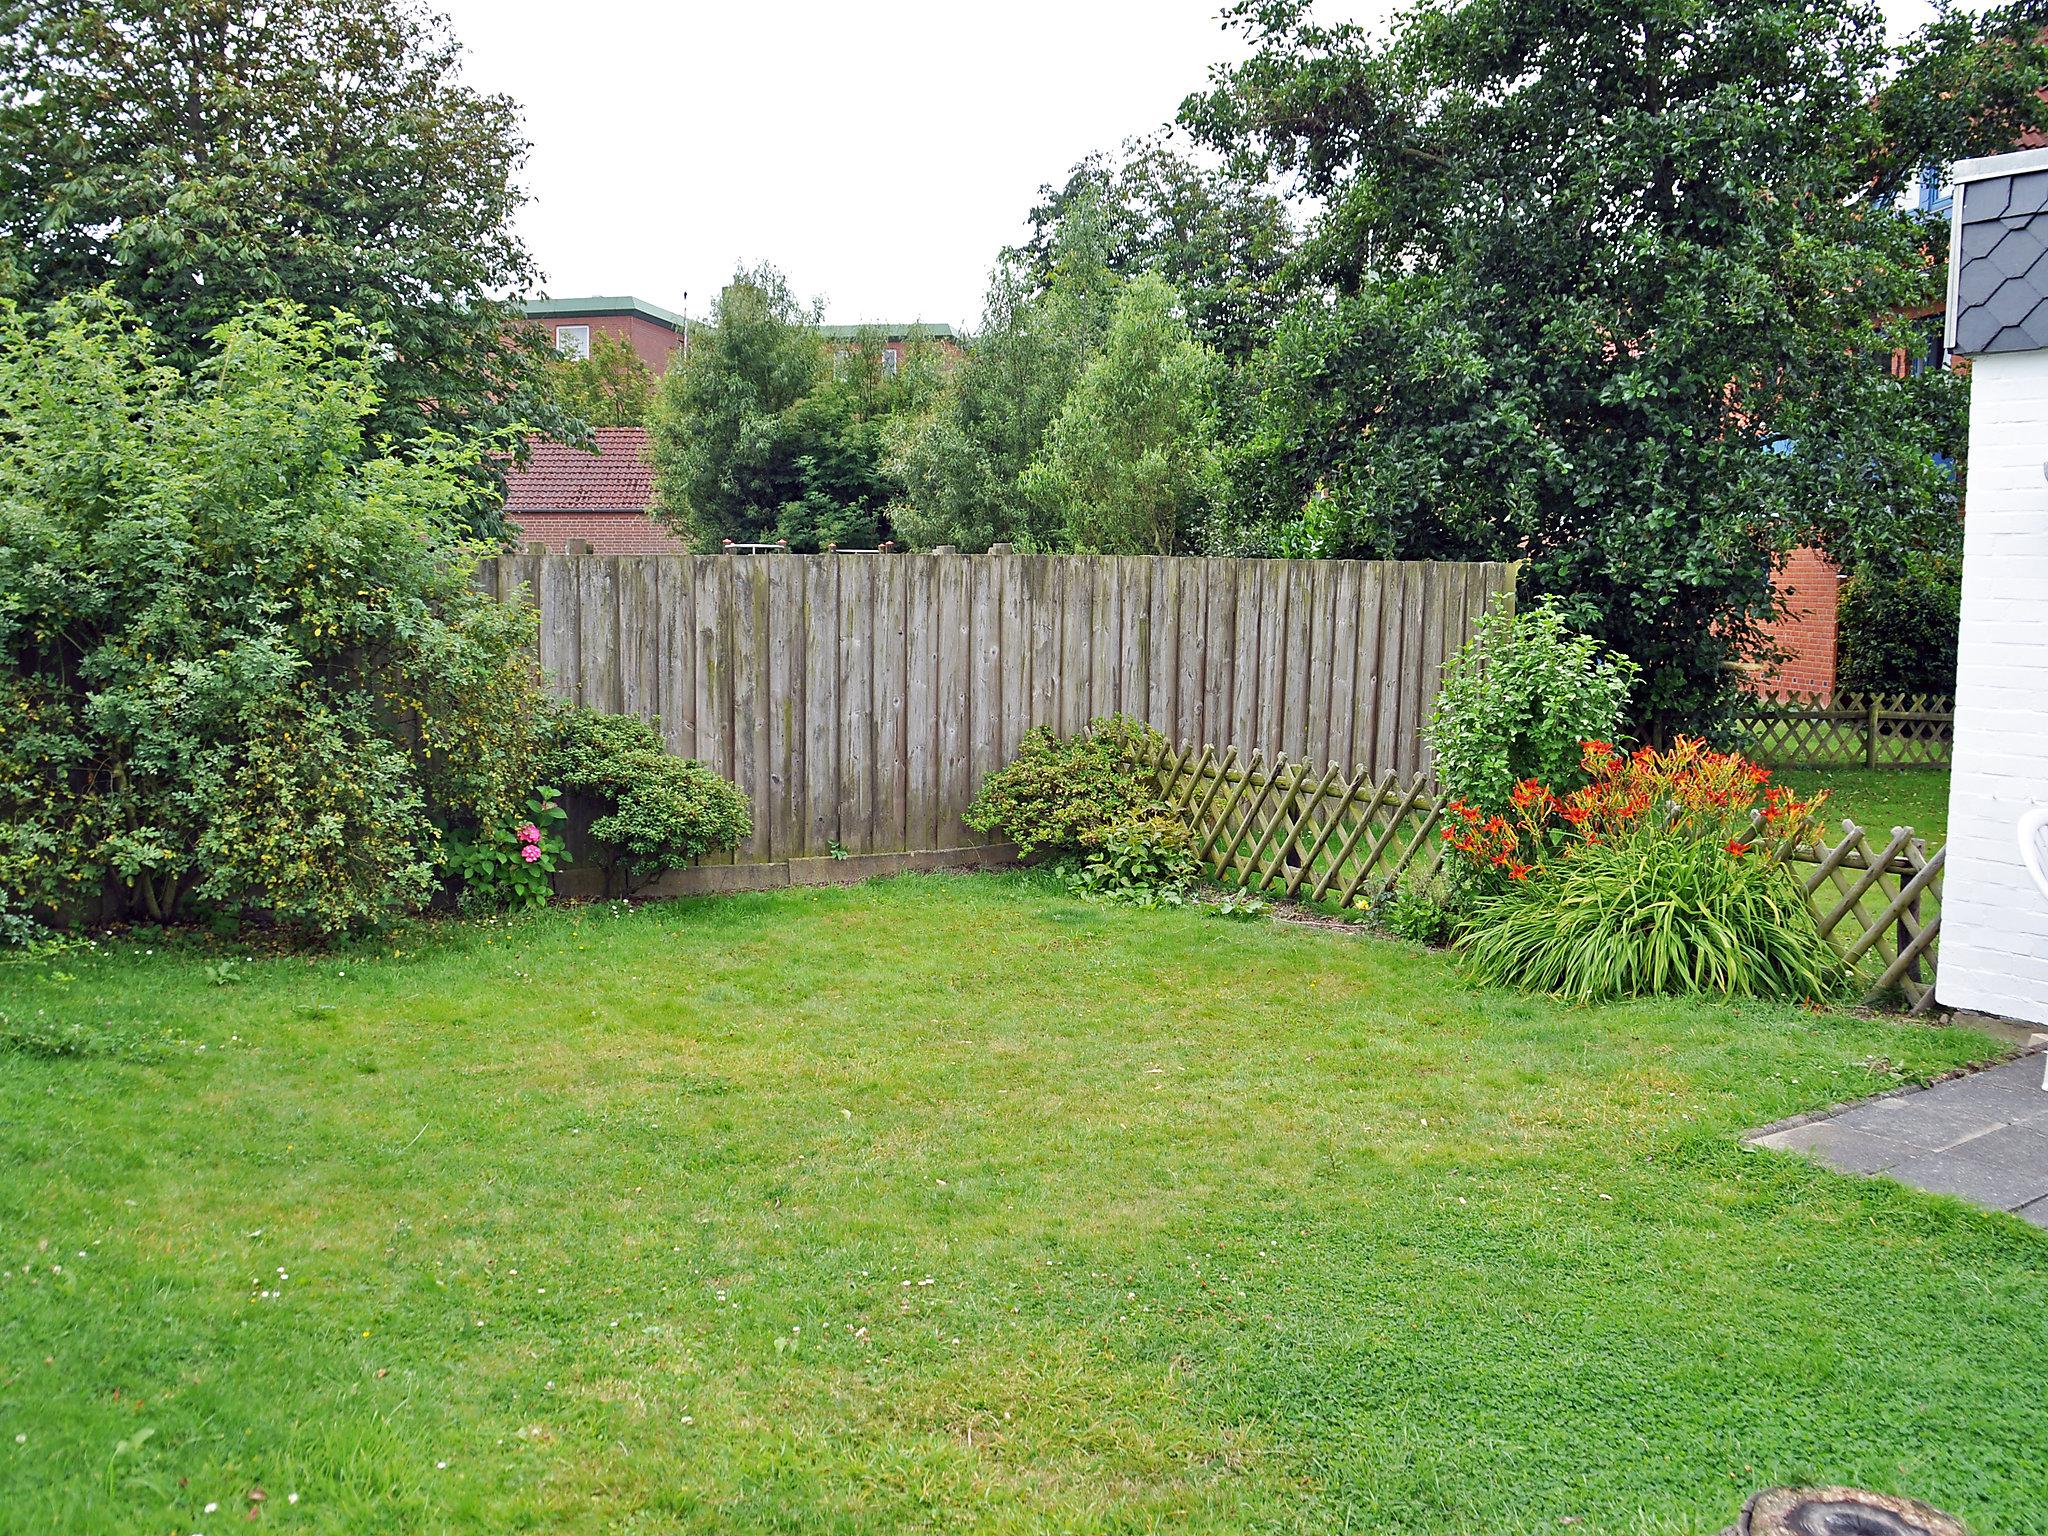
243	671
1425	914
654	811
1061	795
509	866
1518	700
1897	628
1147	858
1650	916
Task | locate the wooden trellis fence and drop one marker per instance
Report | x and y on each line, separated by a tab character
1841	730
1287	829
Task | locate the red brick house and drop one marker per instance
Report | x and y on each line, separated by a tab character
602	499
655	334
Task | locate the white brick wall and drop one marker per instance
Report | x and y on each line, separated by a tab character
1994	921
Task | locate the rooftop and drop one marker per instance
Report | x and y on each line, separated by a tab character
618	304
558	478
889	331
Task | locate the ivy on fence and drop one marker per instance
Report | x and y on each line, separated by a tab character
1283	828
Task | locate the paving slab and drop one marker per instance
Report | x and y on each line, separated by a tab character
1982	1137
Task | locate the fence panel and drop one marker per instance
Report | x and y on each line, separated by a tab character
860	699
1790	729
1287	829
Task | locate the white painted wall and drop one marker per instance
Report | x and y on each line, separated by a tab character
1994	921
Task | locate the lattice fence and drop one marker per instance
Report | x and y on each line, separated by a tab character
1329	836
1842	730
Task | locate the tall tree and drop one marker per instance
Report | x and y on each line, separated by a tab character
1611	288
200	155
1219	236
962	462
725	461
1129	466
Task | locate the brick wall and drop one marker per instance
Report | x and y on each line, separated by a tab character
1994	921
608	533
1808	586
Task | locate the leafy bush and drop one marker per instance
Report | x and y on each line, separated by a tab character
510	865
655	811
1425	914
1897	627
1145	858
1518	700
1061	795
1658	875
243	672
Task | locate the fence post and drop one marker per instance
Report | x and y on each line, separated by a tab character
1870	739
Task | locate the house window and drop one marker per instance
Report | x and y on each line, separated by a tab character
889	360
573	340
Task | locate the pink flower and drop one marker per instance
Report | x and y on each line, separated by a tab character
529	834
530	853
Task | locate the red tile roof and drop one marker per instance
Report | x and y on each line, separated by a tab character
557	478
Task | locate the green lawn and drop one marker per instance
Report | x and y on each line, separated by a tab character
1878	799
954	1205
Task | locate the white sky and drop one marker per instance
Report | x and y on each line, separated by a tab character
878	151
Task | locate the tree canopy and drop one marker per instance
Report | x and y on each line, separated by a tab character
1614	290
197	157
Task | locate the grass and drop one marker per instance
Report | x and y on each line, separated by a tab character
1878	799
952	1204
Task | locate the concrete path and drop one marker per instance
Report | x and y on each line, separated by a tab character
1983	1137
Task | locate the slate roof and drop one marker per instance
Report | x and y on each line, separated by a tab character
558	478
2000	277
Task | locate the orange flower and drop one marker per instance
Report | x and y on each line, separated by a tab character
1737	850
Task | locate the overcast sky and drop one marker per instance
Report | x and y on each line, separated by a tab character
878	151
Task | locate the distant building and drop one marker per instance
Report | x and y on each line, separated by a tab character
894	338
655	334
564	495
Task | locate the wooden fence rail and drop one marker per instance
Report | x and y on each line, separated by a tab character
1842	730
1285	828
860	699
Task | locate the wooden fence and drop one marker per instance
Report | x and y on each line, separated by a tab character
859	699
1843	730
1286	828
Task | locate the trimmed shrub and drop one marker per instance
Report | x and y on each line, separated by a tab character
1062	794
654	811
1652	877
1518	700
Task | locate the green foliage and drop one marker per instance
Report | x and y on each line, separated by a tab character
1652	917
1517	702
199	158
242	666
509	866
1421	913
1129	465
1218	237
963	463
1062	794
1237	905
1146	858
654	811
1549	313
609	388
765	434
1898	624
